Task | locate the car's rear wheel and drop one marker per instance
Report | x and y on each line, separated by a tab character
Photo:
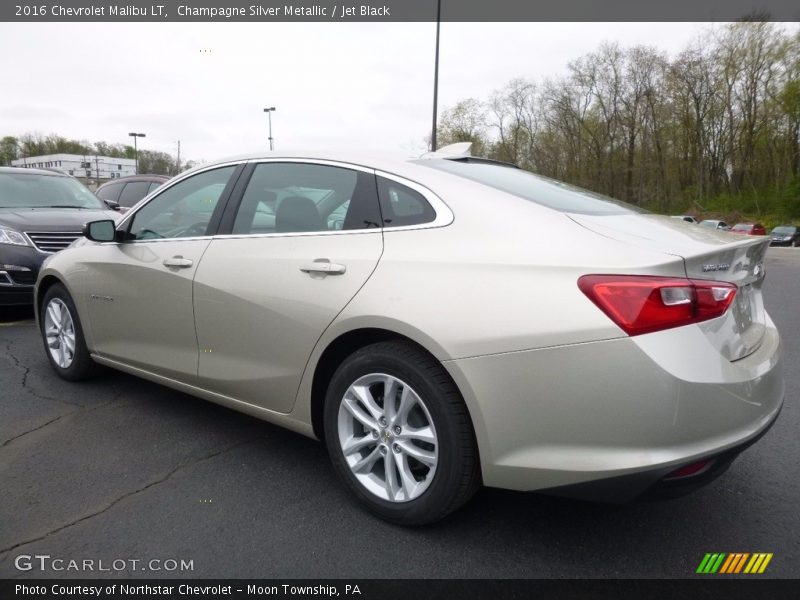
63	338
399	434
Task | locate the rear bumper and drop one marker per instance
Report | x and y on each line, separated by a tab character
609	420
659	483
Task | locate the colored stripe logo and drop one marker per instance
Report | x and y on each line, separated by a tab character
734	563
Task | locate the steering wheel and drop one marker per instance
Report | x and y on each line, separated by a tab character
148	234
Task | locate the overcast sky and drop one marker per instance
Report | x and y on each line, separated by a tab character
365	85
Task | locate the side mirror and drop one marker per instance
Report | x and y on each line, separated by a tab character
100	231
111	204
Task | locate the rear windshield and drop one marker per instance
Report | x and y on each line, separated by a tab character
535	188
23	190
785	230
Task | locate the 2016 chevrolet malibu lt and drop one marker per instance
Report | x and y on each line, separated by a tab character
41	212
440	323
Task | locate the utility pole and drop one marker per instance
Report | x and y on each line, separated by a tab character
436	75
269	112
178	165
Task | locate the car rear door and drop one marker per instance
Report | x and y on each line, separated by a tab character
140	290
293	251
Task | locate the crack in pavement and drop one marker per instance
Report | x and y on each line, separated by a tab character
25	372
24	433
116	501
112	402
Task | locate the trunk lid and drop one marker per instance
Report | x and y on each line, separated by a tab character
707	254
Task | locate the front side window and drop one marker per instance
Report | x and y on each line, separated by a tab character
183	210
306	198
133	192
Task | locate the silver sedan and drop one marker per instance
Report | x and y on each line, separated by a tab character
441	323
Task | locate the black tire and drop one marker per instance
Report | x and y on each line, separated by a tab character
82	366
457	475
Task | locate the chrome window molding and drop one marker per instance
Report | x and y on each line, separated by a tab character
444	216
236	236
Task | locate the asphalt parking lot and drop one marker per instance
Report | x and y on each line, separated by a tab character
122	469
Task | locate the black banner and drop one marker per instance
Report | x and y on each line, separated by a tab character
739	588
398	10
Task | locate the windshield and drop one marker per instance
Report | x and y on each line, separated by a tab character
742	227
535	188
784	230
28	190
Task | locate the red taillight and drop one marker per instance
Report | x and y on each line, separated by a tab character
644	304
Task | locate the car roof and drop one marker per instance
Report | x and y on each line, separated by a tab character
399	163
25	171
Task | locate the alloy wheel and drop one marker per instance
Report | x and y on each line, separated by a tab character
387	437
59	330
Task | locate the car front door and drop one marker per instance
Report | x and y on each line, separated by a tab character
300	244
140	290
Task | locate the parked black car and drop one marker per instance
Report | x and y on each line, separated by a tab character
785	235
41	212
127	191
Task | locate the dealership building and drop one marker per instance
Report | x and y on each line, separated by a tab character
81	165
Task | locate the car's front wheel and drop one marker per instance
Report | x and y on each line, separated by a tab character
399	434
63	338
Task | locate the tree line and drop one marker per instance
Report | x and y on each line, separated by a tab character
33	144
715	129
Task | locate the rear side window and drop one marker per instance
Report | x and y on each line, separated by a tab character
153	185
402	206
110	192
133	192
534	188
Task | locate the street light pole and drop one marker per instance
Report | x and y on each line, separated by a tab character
136	149
269	112
436	75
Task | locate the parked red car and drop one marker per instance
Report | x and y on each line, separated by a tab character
749	228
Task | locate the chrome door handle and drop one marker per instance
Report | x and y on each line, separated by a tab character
178	262
324	266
